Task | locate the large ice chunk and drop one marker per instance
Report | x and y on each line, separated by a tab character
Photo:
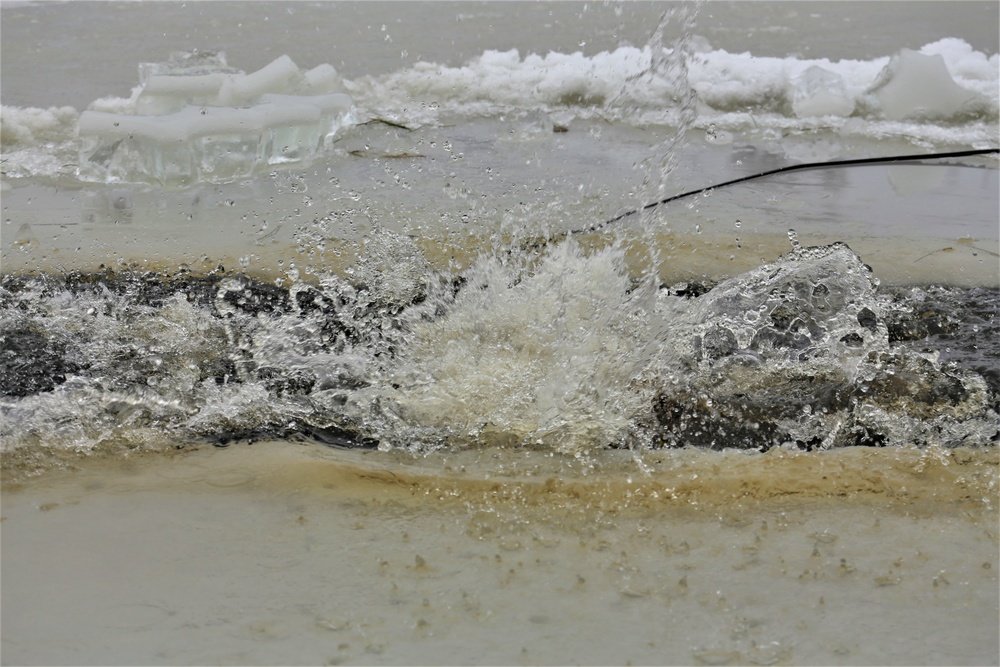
914	85
335	111
164	93
191	124
820	92
281	76
210	144
323	79
291	131
187	63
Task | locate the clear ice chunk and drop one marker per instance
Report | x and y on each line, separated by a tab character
820	92
323	79
166	93
210	144
281	76
335	111
291	131
183	63
914	85
119	148
191	124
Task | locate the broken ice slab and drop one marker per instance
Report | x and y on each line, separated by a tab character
171	91
914	85
118	148
280	76
195	119
187	63
210	144
164	93
166	88
820	92
323	79
334	111
291	132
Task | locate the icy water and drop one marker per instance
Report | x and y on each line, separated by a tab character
332	305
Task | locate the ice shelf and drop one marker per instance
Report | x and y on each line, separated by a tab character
196	120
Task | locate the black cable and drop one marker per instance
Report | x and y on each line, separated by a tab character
788	168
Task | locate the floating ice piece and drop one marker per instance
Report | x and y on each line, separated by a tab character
193	124
211	144
820	92
323	79
291	131
914	85
187	63
160	149
281	76
335	111
165	93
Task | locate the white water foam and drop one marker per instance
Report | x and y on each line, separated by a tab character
613	82
546	357
946	93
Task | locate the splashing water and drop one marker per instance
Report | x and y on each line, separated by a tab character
544	358
539	344
564	352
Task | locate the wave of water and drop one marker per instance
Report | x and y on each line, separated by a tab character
544	345
564	352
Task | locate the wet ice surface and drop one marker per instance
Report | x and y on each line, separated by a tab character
458	189
293	554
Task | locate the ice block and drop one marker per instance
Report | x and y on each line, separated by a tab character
820	92
190	124
914	85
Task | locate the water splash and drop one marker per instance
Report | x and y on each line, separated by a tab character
544	357
565	352
668	66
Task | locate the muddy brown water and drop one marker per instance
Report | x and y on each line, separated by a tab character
284	553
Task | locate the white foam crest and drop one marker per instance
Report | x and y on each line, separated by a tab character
28	126
38	142
545	358
616	80
734	91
